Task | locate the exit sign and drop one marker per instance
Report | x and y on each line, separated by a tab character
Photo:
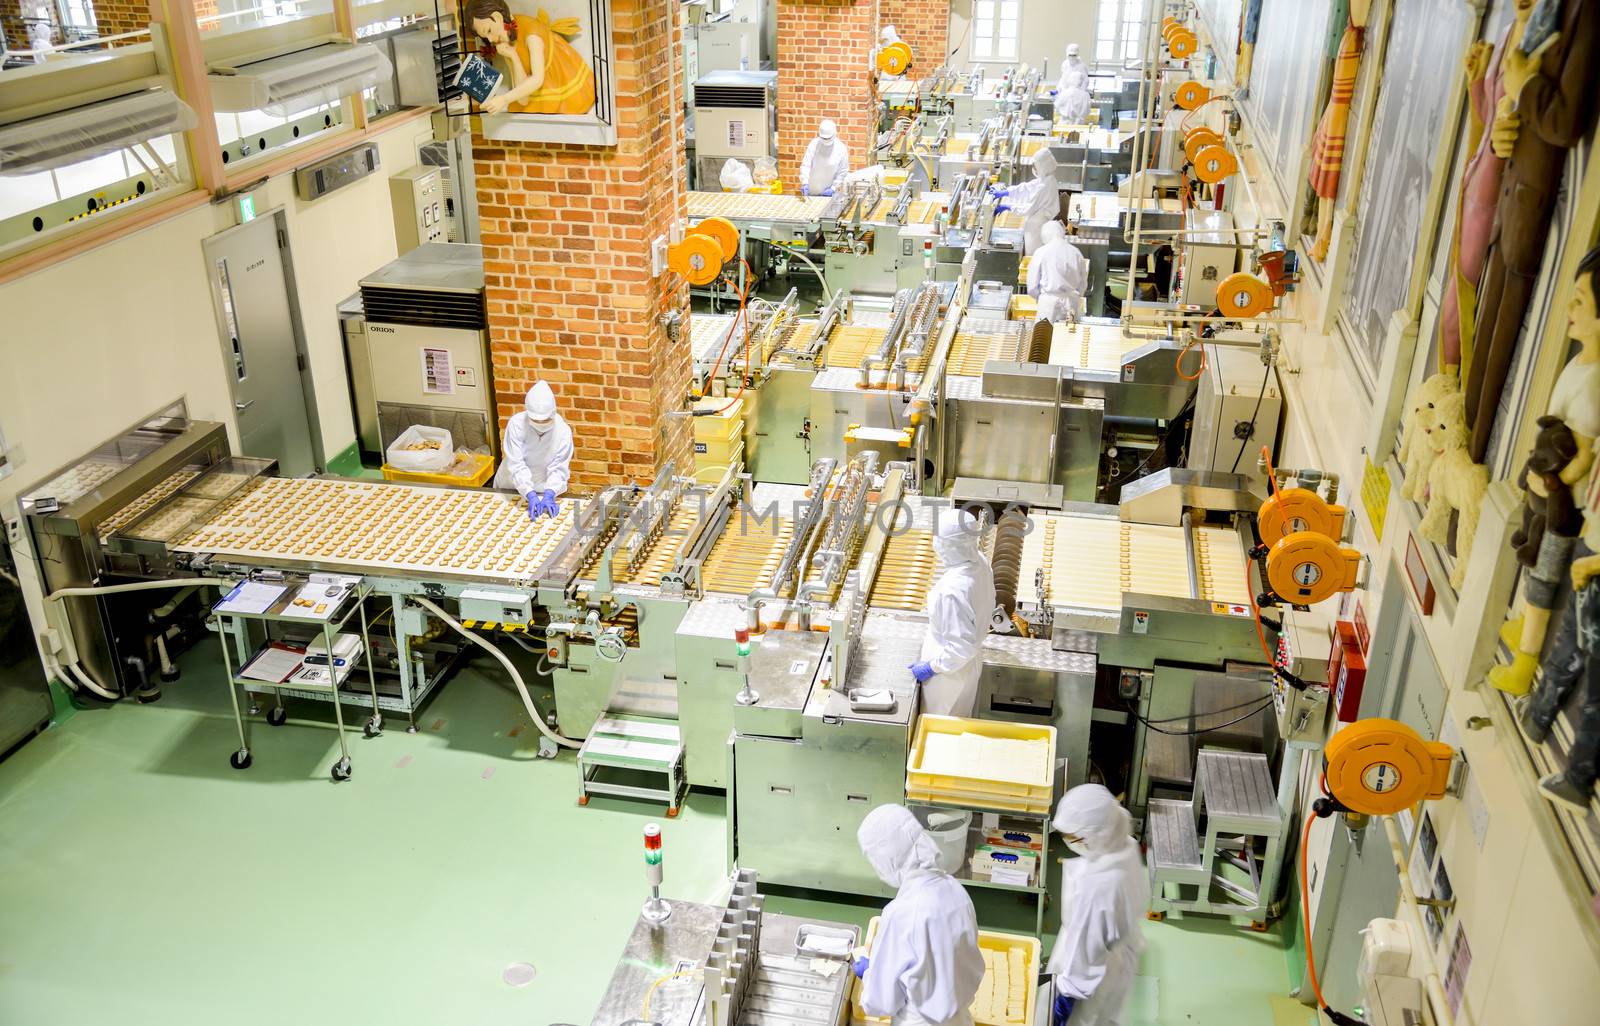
247	208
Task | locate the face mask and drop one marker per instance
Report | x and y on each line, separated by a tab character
541	429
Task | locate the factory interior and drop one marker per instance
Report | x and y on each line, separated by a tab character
800	512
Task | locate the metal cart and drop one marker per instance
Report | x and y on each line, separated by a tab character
232	627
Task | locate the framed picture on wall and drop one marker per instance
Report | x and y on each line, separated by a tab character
554	59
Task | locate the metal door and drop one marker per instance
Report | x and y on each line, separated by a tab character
253	294
1403	683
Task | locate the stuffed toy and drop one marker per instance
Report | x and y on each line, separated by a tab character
1546	505
1455	483
1550	525
1416	450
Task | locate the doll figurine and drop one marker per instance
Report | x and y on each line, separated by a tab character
1571	660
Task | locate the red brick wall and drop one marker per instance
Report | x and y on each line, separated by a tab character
114	17
566	233
824	64
924	25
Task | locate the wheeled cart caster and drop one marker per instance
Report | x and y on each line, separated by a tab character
171	675
277	717
240	759
341	769
373	727
147	695
412	729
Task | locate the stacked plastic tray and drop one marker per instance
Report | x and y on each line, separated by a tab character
956	761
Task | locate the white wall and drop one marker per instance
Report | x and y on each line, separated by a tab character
1047	27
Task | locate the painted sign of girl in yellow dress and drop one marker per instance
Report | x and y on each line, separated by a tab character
548	76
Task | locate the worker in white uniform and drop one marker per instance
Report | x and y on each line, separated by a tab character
1039	200
536	453
1072	94
1072	67
1105	893
925	966
886	37
1058	275
823	168
959	607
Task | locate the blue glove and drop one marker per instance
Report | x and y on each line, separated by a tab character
805	189
997	191
1061	1010
1001	207
859	966
547	504
533	506
921	671
828	191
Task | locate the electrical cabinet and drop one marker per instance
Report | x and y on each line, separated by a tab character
417	196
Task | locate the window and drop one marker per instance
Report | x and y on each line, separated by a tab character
1118	31
996	27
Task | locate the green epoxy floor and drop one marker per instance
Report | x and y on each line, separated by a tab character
142	880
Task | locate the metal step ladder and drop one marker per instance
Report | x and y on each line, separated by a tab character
1221	853
622	752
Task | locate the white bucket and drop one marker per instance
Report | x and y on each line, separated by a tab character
948	828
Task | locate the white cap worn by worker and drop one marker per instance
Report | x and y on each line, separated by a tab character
1058	276
1105	893
888	35
1072	88
536	452
823	168
925	967
959	607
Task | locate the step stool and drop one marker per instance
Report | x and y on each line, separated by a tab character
1235	802
636	745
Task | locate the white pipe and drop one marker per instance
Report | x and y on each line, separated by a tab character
89	682
826	292
114	589
1408	900
516	678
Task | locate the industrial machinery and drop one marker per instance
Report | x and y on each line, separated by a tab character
78	518
427	347
735	115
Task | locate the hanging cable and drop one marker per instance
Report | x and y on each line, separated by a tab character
1261	705
1243	442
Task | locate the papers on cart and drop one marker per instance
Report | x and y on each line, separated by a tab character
275	663
249	597
321	596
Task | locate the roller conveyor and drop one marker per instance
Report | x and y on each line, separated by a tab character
1091	562
137	508
1093	346
745	554
659	557
396	528
905	572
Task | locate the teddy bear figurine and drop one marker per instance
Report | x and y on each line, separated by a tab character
1416	455
1455	483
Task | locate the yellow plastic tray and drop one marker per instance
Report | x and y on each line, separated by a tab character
719	426
979	800
482	465
708	470
986	939
1031	792
717	450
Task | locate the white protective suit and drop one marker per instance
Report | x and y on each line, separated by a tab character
925	966
959	606
1072	96
1039	200
1105	893
536	450
826	161
1058	275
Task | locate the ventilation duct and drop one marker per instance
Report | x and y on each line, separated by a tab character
297	82
93	130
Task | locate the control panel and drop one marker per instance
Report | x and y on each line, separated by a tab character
417	196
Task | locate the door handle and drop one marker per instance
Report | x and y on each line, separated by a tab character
241	407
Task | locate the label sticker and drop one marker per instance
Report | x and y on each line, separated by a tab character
1141	622
466	377
1380	777
736	133
438	376
799	666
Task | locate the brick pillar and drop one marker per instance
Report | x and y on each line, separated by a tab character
924	25
824	64
566	233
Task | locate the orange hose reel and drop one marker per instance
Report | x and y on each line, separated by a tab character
1191	95
894	59
1197	139
707	246
1304	568
1242	294
1214	163
1378	767
1299	509
1182	43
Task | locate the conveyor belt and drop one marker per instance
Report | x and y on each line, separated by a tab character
848	344
383	527
905	572
751	206
659	557
745	555
1010	219
1107	207
133	510
917	211
970	350
1092	561
1092	346
705	335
